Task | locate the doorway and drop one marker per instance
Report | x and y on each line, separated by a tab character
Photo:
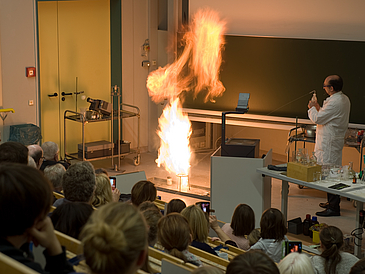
74	55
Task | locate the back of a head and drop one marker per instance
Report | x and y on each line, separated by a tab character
69	218
336	82
103	191
331	239
296	263
50	149
146	205
114	239
78	182
25	196
175	205
197	221
252	262
254	236
55	174
36	152
13	152
273	225
143	191
152	216
101	170
207	270
359	267
174	234
243	220
31	162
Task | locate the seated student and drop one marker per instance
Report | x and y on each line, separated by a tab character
296	263
174	234
26	198
359	267
207	270
332	260
103	191
69	218
54	174
254	236
36	152
273	231
199	227
152	215
78	183
115	239
175	205
51	157
252	262
143	191
242	223
13	152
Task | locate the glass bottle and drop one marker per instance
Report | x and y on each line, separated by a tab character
299	156
307	223
313	159
351	171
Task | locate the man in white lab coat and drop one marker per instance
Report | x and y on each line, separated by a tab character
332	121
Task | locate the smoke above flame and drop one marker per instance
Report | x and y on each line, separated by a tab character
203	43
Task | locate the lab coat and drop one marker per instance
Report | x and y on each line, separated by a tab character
332	121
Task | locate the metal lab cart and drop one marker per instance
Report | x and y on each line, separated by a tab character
119	114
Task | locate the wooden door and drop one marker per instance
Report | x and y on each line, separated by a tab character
74	42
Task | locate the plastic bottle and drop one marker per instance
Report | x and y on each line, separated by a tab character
307	223
313	222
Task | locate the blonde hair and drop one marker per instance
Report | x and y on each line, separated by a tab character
174	234
296	263
254	236
103	191
114	238
197	221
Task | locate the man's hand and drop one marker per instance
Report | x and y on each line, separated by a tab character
314	104
42	233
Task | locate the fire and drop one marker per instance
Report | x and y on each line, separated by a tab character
175	130
202	55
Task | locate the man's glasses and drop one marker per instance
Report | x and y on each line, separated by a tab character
327	86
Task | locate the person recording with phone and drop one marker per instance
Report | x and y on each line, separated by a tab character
332	121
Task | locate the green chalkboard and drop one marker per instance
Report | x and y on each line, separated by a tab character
279	73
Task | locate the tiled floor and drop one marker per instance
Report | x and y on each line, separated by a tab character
301	201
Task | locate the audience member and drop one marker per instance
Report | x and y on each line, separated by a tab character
26	197
174	234
69	218
55	174
143	191
103	191
359	267
199	227
78	183
242	223
146	205
332	260
13	152
252	262
254	236
115	239
31	162
273	230
175	205
223	236
207	270
36	152
152	215
101	170
296	263
51	155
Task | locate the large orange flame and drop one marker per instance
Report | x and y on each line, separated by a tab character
202	55
175	130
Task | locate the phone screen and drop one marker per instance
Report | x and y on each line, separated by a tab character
294	247
113	181
205	207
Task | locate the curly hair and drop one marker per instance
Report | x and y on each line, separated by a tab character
78	182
